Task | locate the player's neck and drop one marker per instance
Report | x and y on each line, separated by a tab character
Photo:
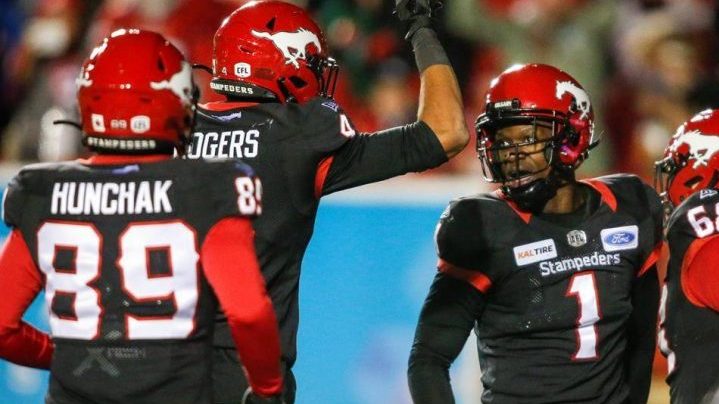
568	199
110	159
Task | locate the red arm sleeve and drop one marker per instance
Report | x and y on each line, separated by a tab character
699	273
20	281
231	268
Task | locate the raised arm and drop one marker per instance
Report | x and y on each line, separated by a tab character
440	101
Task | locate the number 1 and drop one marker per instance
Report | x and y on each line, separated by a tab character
584	287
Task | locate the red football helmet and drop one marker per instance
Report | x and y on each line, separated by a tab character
272	50
136	95
536	94
691	160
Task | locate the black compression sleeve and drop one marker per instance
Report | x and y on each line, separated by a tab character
641	335
368	158
450	310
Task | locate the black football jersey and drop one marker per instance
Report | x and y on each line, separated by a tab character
131	314
556	298
689	334
301	152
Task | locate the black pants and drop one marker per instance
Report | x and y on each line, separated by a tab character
229	382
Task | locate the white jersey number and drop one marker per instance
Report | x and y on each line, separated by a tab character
249	195
701	223
84	242
584	287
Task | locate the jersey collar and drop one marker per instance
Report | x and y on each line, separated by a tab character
115	159
607	195
608	198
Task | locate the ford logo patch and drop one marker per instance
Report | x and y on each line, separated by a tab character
620	238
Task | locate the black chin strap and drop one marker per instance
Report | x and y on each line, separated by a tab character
535	195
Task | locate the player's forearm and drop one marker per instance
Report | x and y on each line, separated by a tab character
440	107
641	335
258	344
26	346
428	377
440	101
231	268
447	317
20	343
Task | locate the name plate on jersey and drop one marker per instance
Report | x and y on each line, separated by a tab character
620	238
534	252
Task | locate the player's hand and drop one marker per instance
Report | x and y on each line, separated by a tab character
416	13
251	398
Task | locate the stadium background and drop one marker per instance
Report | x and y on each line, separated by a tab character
647	64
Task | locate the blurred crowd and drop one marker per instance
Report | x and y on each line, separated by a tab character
648	65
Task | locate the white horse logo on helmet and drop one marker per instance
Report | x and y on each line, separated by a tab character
180	83
580	96
293	45
701	147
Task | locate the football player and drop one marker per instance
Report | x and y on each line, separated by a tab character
557	276
271	63
130	244
688	178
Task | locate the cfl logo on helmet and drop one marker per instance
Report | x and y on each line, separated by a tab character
243	70
140	124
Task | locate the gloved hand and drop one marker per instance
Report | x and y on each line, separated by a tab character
416	13
251	398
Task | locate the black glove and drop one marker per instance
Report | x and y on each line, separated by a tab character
416	13
251	398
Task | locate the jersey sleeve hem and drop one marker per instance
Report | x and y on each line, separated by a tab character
480	281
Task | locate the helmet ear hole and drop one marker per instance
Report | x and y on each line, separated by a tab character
161	65
692	182
271	24
297	82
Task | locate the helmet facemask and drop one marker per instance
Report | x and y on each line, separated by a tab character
664	171
501	160
327	71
